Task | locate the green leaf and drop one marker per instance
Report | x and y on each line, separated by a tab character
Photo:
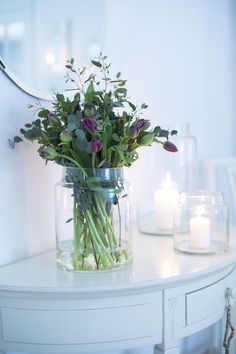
96	63
69	220
132	106
28	125
37	123
144	106
29	135
77	97
157	130
122	83
118	104
60	97
118	75
89	93
17	139
81	140
22	131
73	121
36	132
43	113
102	163
173	132
163	133
121	90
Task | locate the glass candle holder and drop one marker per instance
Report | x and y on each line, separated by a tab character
201	224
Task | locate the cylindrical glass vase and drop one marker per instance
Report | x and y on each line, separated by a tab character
183	165
93	224
201	224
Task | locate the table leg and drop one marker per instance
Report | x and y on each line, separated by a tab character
158	350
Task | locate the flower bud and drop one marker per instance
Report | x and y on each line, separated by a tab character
48	153
95	145
147	139
143	124
133	131
66	136
169	146
89	110
90	124
52	118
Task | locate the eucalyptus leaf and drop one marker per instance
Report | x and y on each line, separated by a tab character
17	139
73	122
96	63
43	113
81	140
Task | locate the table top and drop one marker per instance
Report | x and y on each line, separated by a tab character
154	263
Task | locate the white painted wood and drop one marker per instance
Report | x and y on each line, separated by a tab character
205	302
162	297
158	350
141	317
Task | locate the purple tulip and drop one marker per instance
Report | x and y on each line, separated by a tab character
48	153
95	145
143	124
169	146
133	131
90	124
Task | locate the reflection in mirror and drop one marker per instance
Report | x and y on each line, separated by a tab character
37	37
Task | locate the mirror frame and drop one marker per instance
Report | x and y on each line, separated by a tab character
20	84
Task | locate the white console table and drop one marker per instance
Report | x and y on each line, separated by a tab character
161	298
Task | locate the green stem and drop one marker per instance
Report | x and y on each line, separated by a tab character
103	212
107	224
94	160
98	240
72	160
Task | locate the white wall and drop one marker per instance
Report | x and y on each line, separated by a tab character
26	186
178	57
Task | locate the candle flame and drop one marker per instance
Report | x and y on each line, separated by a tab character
167	181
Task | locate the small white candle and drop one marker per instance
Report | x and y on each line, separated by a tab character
165	200
200	230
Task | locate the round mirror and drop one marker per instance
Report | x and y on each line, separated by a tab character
37	37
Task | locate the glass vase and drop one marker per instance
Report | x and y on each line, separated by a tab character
93	225
201	224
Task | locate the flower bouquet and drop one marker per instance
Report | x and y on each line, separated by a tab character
93	135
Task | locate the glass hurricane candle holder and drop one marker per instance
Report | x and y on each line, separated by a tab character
201	224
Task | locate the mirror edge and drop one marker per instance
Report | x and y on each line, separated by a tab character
14	79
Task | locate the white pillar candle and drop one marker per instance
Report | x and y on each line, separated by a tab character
165	201
200	231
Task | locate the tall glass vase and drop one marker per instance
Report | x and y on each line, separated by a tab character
93	226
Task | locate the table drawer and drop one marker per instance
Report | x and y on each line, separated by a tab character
206	302
84	325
